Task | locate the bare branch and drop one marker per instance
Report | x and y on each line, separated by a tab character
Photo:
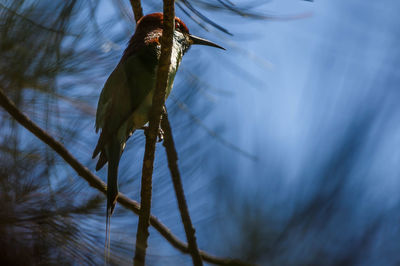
137	9
180	195
97	183
154	122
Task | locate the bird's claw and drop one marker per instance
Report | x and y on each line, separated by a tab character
160	133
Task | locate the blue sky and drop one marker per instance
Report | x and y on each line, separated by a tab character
291	92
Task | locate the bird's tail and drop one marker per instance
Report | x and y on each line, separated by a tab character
113	155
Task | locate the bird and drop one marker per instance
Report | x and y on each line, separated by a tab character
126	97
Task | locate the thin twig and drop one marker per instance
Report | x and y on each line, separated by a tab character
40	26
137	9
180	195
154	122
98	184
205	18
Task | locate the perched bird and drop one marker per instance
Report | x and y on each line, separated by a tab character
126	98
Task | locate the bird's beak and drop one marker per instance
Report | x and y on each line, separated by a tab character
201	41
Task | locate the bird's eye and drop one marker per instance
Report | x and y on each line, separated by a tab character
177	25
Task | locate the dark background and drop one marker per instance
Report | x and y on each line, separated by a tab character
288	140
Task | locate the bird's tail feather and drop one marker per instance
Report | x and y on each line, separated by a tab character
107	242
102	161
113	154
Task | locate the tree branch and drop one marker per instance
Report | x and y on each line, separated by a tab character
98	184
180	195
154	122
137	9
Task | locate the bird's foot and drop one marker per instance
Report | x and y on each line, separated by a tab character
160	133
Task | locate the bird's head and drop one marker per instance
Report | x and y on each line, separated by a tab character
149	28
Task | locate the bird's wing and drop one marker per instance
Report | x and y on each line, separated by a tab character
114	86
126	88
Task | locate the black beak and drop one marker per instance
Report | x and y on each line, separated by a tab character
201	41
